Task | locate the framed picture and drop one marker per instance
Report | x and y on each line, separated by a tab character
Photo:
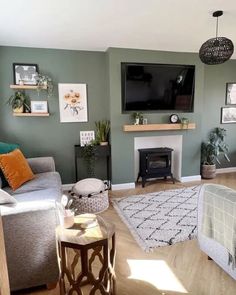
25	74
230	93
39	106
86	137
73	102
228	115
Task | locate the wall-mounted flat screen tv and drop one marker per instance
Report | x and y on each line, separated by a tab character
157	87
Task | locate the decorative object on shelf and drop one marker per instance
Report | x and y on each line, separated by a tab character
230	93
25	74
86	137
102	131
19	102
137	118
184	123
88	154
174	118
211	150
228	115
39	106
44	82
73	102
145	121
216	50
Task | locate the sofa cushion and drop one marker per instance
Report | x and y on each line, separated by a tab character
6	148
41	182
15	168
6	198
41	193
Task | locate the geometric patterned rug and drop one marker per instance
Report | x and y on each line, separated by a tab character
161	218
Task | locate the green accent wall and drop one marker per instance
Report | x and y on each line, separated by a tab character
47	136
101	72
123	142
216	78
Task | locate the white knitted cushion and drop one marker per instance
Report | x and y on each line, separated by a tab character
88	186
5	198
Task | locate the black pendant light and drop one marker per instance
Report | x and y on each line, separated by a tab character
216	50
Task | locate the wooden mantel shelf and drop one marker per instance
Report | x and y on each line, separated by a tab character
157	127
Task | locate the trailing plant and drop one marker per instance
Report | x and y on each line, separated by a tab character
102	130
19	99
215	146
42	81
89	155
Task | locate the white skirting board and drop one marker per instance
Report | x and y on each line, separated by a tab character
190	178
120	186
225	170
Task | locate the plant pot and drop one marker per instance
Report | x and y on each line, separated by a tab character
104	143
208	171
19	110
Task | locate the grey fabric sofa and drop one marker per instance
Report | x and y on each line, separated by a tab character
29	227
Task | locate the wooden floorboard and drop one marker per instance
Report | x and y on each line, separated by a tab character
178	269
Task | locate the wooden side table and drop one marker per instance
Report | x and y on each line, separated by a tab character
87	257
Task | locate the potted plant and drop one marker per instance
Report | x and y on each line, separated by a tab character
211	150
102	131
44	81
137	118
19	102
184	123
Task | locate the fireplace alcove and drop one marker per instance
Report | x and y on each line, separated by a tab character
174	142
154	163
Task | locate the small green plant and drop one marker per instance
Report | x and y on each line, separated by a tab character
102	130
184	123
214	147
42	81
137	117
18	100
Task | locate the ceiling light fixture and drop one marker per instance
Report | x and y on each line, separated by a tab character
216	50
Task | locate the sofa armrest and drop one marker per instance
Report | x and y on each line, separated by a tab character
41	164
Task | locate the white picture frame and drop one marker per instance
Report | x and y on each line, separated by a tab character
73	102
86	137
39	106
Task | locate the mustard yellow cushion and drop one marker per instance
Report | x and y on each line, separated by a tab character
15	168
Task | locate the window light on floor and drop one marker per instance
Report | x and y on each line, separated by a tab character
157	273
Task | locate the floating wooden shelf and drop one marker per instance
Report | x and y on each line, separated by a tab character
157	127
31	114
33	87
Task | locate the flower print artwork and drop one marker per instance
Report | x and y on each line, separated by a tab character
73	102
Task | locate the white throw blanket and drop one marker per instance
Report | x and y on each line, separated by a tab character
219	217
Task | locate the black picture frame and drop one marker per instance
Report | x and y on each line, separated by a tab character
228	115
230	97
24	73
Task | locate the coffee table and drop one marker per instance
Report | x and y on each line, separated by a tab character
87	257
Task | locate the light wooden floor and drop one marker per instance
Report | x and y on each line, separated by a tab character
178	269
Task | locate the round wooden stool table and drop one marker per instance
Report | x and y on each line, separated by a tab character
86	256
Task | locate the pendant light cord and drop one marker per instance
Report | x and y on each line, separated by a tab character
217	26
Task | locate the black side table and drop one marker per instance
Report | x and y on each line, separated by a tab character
101	151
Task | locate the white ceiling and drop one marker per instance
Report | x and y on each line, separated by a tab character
172	25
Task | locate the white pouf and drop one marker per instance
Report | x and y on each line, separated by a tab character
92	196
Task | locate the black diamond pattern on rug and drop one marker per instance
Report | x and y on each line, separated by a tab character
161	218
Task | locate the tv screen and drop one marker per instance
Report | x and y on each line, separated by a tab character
157	87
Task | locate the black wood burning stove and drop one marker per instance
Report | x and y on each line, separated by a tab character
154	163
